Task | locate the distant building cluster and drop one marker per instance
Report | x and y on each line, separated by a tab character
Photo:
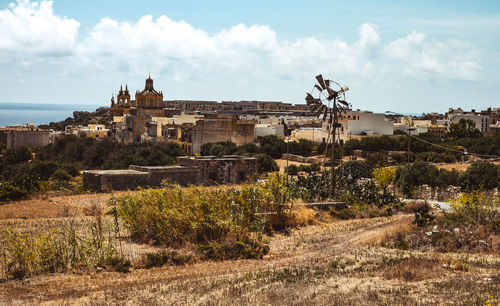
193	123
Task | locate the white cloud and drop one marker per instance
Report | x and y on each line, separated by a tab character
451	59
33	27
250	54
178	48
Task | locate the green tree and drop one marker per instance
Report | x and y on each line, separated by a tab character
266	163
416	174
480	175
464	128
292	170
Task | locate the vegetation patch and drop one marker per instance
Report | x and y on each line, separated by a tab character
472	225
222	223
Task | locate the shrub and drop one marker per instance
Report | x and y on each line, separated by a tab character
163	257
315	167
11	193
216	220
266	163
480	175
61	175
475	207
423	215
305	168
416	174
384	176
292	170
377	159
58	250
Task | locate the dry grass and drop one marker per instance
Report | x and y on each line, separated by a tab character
329	262
458	166
413	269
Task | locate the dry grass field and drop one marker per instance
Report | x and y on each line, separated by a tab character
458	166
331	262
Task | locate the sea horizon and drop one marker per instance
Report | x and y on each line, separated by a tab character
18	113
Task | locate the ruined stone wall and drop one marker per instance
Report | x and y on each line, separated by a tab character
222	170
106	180
426	192
302	159
138	176
173	174
202	170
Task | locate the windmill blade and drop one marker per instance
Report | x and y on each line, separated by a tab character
327	83
316	107
318	88
309	99
344	89
331	93
321	82
320	110
343	103
313	102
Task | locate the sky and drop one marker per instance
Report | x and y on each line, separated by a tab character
406	57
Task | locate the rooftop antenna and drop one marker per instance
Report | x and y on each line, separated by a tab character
327	99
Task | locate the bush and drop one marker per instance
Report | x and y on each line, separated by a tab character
58	250
377	159
11	193
222	223
292	170
480	175
416	174
163	257
266	163
423	215
352	171
61	175
384	176
305	168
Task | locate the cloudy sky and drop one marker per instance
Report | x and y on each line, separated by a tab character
412	58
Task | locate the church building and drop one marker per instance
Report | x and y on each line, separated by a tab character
147	101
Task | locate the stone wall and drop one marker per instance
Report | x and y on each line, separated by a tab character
16	139
106	180
302	159
173	174
205	170
228	169
426	192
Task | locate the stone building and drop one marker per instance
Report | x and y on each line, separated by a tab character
27	135
149	98
218	128
206	170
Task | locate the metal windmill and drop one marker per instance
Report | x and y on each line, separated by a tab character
327	98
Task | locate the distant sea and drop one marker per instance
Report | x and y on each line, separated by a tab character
19	113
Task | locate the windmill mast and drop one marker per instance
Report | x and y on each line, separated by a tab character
331	101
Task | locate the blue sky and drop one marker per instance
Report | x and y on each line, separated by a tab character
406	57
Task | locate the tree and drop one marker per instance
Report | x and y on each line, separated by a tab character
292	170
464	128
266	163
480	175
416	174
